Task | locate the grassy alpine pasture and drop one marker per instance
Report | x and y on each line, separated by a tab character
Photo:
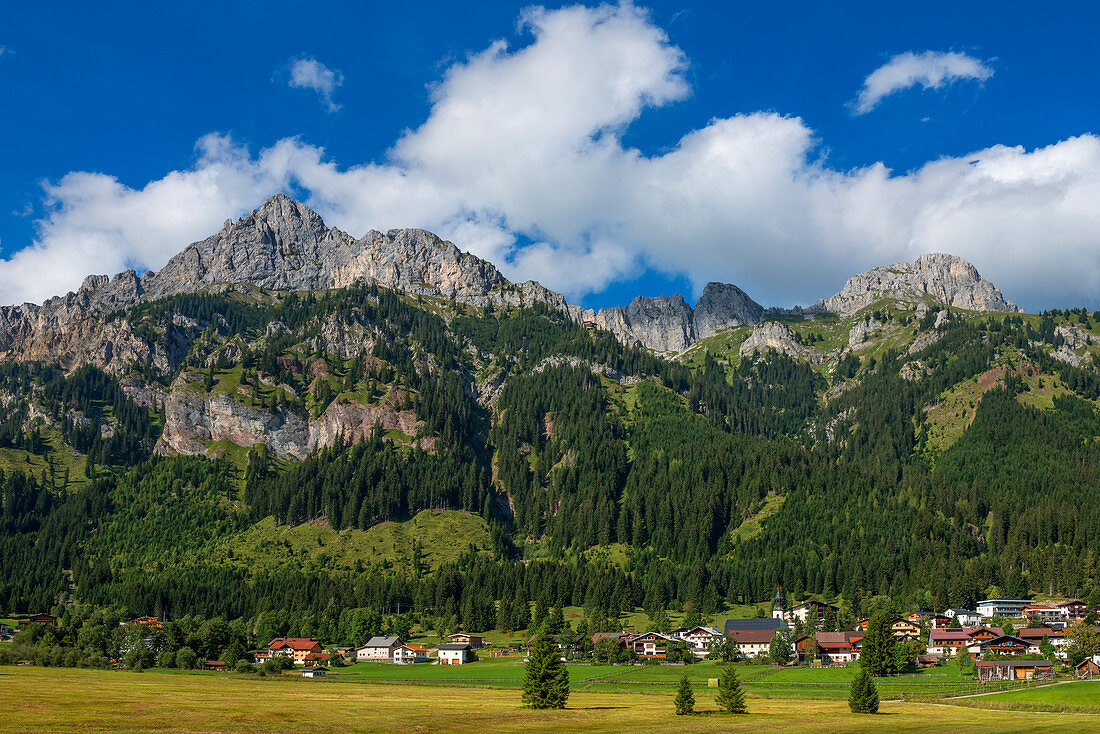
1074	697
65	700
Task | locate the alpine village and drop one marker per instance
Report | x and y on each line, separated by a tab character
294	453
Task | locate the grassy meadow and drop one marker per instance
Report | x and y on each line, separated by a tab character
63	700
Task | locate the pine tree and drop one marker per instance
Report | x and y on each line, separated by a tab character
545	679
877	655
862	695
685	699
731	697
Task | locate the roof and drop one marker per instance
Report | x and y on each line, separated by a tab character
382	642
767	623
294	643
464	634
959	611
415	648
751	637
1038	633
605	636
1015	664
454	646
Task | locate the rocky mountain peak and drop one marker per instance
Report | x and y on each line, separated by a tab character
948	279
723	305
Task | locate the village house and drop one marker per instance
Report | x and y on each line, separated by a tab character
1043	613
752	643
299	649
811	611
1002	607
41	619
1074	610
407	654
831	648
698	638
1003	645
652	645
963	618
150	622
454	653
946	642
214	665
1036	635
377	650
939	620
313	672
464	638
904	630
1014	669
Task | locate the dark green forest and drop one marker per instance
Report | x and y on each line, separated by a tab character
721	482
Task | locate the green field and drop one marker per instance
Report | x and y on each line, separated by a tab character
64	700
1074	697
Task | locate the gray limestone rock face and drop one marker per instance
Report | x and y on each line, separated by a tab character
947	279
722	306
776	336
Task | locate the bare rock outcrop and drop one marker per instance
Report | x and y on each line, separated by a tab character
776	336
948	279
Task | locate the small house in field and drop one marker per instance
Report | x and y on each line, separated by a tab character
989	670
1088	668
453	653
465	638
313	672
406	654
925	660
214	665
377	650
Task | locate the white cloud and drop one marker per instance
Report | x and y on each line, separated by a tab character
308	73
521	160
929	69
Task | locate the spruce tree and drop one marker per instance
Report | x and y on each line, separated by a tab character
862	695
877	655
685	699
545	680
731	697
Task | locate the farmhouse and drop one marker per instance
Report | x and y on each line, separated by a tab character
752	643
377	650
652	645
698	638
1014	669
405	654
1036	635
313	672
296	648
42	620
454	653
832	648
465	638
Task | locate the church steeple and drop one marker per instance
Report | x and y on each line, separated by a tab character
779	604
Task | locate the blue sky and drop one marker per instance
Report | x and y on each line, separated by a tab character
735	152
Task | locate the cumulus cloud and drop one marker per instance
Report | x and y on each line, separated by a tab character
309	73
521	160
929	69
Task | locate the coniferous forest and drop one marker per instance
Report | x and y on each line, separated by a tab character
715	478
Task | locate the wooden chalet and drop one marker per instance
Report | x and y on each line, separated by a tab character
1088	668
904	630
652	645
989	670
1004	645
465	638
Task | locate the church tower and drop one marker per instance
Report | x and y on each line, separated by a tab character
779	605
